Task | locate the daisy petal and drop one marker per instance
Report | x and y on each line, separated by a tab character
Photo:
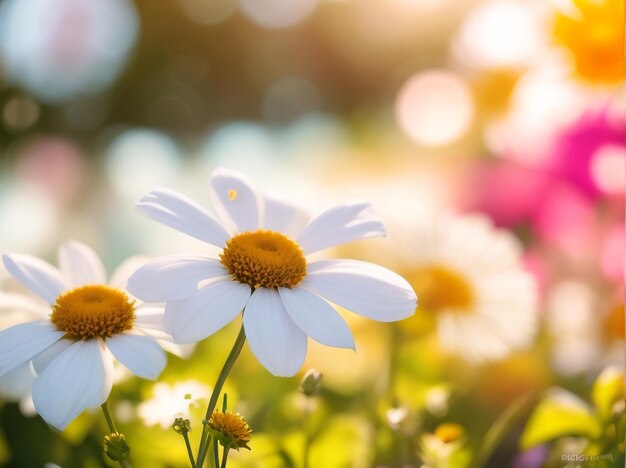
80	264
273	337
339	225
14	306
37	275
120	276
141	354
284	217
364	288
171	315
183	351
17	384
79	378
18	344
150	317
43	359
183	214
173	277
206	312
235	200
317	318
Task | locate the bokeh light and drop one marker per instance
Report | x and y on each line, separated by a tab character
242	144
58	49
607	169
29	217
55	165
277	13
435	107
543	102
501	33
20	113
140	159
212	12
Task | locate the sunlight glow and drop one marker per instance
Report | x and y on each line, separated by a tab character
434	108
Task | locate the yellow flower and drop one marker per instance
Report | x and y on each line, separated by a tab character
231	428
595	38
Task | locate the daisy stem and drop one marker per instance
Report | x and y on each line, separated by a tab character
112	429
228	365
107	416
307	433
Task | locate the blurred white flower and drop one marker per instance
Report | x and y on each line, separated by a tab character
172	401
469	275
91	323
502	33
58	49
263	269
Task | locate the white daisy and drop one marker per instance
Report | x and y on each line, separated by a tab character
171	401
469	276
263	269
72	349
18	307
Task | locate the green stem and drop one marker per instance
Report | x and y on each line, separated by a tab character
112	429
307	433
216	455
189	451
307	449
107	416
203	441
228	365
225	456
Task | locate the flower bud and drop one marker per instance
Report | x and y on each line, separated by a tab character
181	426
115	446
311	383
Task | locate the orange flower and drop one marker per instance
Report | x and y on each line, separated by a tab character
595	38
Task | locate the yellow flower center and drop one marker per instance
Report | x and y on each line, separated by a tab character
93	311
264	259
442	289
449	432
232	425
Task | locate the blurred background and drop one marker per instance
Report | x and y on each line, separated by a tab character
505	110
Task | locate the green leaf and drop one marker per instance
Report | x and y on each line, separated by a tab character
560	414
501	427
620	429
607	390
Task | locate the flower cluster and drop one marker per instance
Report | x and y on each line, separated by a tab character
263	270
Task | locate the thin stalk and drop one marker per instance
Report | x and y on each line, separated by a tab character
216	455
307	433
228	365
203	441
189	451
112	429
107	416
225	456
